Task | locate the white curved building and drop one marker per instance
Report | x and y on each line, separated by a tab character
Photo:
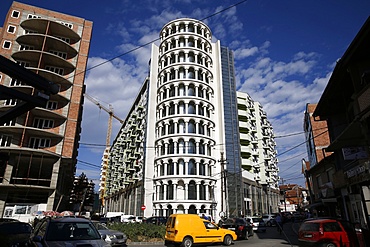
179	148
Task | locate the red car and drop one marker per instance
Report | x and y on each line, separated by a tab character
327	233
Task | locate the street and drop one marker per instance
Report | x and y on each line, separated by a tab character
270	238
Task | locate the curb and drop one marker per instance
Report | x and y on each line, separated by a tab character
145	243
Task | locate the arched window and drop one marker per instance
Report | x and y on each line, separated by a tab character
202	168
164	112
172	109
191	74
191	42
191	108
161	192
200	92
191	58
192	191
171	128
172	91
182	73
192	210
201	128
170	191
201	110
191	147
181	129
170	168
181	90
191	90
181	108
202	191
202	147
191	127
181	164
181	146
181	57
161	170
192	170
171	147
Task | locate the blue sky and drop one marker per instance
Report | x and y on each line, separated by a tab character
285	52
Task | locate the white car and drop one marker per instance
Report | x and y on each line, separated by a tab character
269	219
258	224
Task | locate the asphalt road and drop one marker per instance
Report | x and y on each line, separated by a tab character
270	238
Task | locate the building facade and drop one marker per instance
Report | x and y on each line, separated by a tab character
41	145
344	105
319	175
258	157
185	155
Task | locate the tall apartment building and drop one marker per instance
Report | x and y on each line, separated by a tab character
258	157
42	144
179	148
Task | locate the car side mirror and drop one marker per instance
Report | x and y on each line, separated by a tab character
103	236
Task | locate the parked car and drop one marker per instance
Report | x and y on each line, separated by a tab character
327	232
156	220
189	229
269	219
240	226
112	237
59	231
14	233
258	225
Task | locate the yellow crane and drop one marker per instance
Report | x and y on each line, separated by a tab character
111	116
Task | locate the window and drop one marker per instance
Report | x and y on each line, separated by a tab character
56	70
39	142
30	16
192	193
59	54
191	147
7	44
23	63
170	191
170	168
16	82
192	168
70	25
10	102
52	105
15	14
43	123
11	29
202	191
5	140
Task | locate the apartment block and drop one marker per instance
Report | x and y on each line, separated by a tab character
258	157
41	145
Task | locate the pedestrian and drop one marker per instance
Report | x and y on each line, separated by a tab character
279	223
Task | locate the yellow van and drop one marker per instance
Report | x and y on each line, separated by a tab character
189	229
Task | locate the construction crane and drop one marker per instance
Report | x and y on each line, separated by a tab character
111	116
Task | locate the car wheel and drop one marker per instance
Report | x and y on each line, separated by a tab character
228	240
187	242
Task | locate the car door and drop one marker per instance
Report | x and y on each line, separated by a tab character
212	233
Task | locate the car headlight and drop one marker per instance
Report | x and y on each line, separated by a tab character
110	237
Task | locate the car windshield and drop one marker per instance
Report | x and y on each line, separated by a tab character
100	226
310	227
71	231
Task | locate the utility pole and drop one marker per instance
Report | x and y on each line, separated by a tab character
224	202
282	181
